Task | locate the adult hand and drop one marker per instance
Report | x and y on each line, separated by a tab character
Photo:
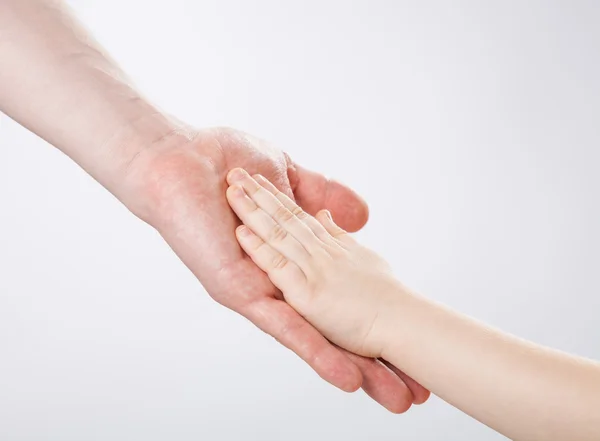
179	186
61	84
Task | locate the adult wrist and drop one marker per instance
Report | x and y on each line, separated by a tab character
131	152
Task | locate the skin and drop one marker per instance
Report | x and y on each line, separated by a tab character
522	390
58	82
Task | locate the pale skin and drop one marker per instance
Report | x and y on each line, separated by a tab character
58	82
524	391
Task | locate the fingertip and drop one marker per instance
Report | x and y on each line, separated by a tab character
324	215
350	379
419	393
383	385
235	191
354	383
399	407
421	397
314	191
339	370
243	232
326	220
266	184
235	175
348	210
361	218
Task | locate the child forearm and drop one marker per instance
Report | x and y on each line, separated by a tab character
525	391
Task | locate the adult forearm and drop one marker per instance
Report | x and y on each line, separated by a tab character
57	81
525	391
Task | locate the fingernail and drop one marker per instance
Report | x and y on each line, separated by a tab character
243	230
258	178
328	214
237	174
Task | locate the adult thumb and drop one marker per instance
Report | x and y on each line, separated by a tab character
313	192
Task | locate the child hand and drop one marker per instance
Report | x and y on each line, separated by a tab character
339	286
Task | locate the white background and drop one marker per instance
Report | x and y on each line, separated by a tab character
472	128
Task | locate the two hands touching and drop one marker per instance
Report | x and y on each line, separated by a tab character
338	285
178	185
58	82
348	293
301	279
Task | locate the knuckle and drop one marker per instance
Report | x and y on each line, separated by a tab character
324	235
339	233
323	264
316	284
299	212
334	253
252	188
288	328
258	245
277	234
279	262
282	215
248	205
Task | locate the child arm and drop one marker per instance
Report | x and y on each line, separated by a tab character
524	391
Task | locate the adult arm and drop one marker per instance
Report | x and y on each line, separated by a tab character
57	81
